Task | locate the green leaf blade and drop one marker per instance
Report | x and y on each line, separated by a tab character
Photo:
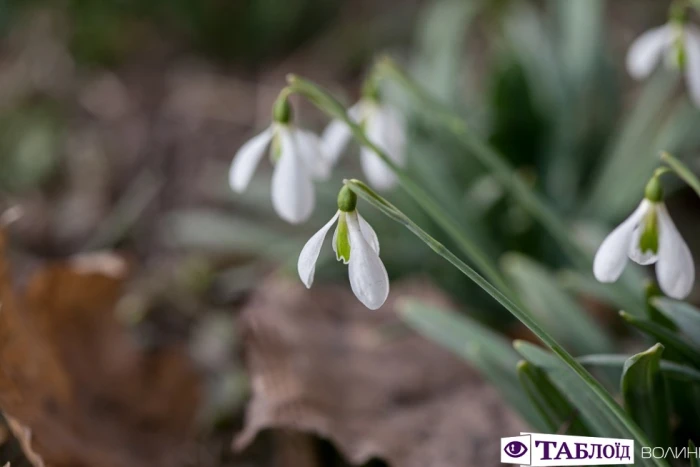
644	394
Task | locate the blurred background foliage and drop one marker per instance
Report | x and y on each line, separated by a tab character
118	120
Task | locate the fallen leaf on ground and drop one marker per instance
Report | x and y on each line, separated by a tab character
78	382
321	363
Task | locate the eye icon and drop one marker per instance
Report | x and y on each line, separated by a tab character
515	449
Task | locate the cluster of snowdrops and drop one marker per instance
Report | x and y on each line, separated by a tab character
647	236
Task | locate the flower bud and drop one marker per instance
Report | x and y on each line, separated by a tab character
654	191
347	200
282	111
370	89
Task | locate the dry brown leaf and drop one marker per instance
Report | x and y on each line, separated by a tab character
79	382
322	363
24	438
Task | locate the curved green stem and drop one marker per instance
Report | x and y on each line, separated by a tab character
682	171
394	213
327	103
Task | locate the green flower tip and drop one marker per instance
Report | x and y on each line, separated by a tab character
654	191
347	200
678	12
282	110
370	88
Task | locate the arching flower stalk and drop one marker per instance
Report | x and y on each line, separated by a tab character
384	126
356	244
648	236
678	42
298	157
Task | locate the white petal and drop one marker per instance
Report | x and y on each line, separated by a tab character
293	194
368	278
306	266
646	50
311	150
611	257
369	233
334	139
385	129
337	134
378	174
247	159
692	64
675	269
635	254
394	134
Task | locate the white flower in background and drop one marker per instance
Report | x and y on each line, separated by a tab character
298	158
354	243
678	43
383	125
648	236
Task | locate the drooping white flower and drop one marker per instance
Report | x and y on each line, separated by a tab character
356	244
648	236
678	43
298	157
383	125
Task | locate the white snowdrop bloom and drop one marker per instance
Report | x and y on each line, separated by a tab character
356	244
648	236
383	125
298	158
678	43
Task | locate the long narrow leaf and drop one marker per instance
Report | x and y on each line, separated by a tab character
579	377
668	338
685	316
561	417
644	394
483	348
670	369
597	416
558	313
683	171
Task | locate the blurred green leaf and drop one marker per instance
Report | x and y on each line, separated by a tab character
619	181
644	394
29	148
670	369
441	34
553	308
212	231
587	286
682	171
694	460
555	409
685	316
581	29
668	338
486	350
595	414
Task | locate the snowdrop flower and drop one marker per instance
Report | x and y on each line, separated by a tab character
298	158
354	243
648	236
383	125
678	42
